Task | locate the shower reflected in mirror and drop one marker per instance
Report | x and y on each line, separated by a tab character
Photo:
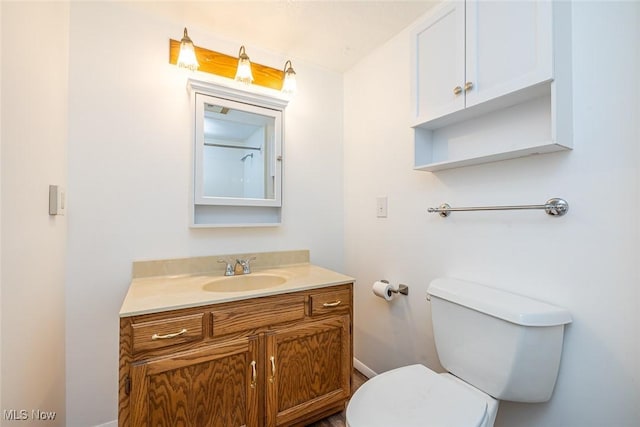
231	134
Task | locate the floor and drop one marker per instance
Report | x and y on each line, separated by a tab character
338	420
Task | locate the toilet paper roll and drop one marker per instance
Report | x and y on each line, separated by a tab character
383	290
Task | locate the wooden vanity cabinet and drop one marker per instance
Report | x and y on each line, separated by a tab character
279	360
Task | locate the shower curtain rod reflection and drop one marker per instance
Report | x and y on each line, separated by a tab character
241	147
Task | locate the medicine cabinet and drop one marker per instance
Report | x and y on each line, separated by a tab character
237	156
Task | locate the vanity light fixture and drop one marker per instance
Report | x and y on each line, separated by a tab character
243	73
187	57
289	84
223	65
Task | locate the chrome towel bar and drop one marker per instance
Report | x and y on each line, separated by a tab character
553	207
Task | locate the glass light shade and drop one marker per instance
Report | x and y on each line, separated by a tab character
289	84
243	73
187	57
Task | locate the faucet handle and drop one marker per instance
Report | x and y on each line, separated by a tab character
245	263
228	270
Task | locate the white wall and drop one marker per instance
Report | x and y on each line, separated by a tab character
586	261
129	173
34	155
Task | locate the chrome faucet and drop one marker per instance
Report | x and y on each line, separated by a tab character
228	269
242	266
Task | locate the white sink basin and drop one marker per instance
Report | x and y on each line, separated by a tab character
249	282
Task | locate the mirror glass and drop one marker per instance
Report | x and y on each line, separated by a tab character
238	151
236	146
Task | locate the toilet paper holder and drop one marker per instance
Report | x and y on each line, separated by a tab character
402	289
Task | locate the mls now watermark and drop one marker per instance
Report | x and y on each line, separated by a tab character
26	415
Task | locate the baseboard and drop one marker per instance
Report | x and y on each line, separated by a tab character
363	369
113	423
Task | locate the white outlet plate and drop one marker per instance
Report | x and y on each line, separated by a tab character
381	207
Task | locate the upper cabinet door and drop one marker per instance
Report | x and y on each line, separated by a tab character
438	52
508	47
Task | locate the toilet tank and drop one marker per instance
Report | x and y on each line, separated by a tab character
506	345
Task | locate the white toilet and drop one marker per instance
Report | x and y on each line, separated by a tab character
495	346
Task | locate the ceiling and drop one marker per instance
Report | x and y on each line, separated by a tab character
334	34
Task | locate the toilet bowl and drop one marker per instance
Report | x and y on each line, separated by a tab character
415	396
495	346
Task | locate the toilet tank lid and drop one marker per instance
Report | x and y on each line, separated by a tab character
501	304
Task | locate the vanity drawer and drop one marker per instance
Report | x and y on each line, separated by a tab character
330	302
260	313
167	332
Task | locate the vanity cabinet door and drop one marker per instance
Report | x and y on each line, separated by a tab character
213	386
308	370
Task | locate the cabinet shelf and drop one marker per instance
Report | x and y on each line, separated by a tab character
484	135
543	147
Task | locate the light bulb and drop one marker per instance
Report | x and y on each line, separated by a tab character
187	57
243	73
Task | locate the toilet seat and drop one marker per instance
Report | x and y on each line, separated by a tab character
415	396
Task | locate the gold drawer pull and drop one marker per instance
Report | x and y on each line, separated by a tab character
254	374
273	369
468	86
457	90
332	304
164	337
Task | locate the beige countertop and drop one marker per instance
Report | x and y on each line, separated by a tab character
170	292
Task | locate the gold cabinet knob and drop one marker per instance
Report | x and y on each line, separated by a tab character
468	86
457	90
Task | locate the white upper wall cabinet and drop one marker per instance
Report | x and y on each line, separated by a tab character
473	61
